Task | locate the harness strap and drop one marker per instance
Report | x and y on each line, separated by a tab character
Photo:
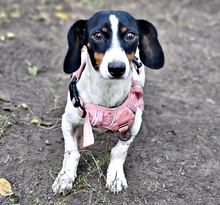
74	94
75	77
118	119
87	138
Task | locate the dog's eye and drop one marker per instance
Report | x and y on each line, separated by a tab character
130	36
98	36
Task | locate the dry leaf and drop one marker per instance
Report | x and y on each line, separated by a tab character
33	70
10	35
42	16
39	122
58	7
4	96
63	15
24	106
36	121
5	187
16	11
46	124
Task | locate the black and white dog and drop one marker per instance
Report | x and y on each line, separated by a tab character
111	41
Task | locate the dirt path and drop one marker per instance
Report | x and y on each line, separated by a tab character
175	159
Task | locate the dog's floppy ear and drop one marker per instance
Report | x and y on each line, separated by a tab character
76	39
151	53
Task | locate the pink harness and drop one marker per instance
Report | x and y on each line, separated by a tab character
117	120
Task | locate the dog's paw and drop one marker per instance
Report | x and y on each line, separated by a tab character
116	180
63	183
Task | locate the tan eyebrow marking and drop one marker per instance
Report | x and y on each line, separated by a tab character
104	29
123	29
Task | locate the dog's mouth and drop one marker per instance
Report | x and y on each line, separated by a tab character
113	78
116	78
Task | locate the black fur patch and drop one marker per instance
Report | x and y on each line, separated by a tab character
99	22
96	34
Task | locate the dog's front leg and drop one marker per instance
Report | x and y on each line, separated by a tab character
64	181
116	180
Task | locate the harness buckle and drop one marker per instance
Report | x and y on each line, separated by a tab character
123	133
126	137
74	92
83	115
137	64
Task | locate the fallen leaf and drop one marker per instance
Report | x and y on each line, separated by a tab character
58	7
10	35
36	121
33	70
5	187
63	15
3	14
41	17
46	124
16	11
4	96
24	106
39	122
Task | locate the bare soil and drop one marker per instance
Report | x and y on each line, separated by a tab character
175	159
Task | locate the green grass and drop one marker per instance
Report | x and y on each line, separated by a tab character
3	14
4	123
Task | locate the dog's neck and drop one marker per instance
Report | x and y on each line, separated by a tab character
95	89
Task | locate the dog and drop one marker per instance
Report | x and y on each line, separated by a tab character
106	49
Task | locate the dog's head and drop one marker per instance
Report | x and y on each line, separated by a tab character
112	38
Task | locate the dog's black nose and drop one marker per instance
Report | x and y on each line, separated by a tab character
116	68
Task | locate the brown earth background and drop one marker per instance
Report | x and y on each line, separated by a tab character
174	160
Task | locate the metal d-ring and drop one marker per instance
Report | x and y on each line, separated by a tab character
124	139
